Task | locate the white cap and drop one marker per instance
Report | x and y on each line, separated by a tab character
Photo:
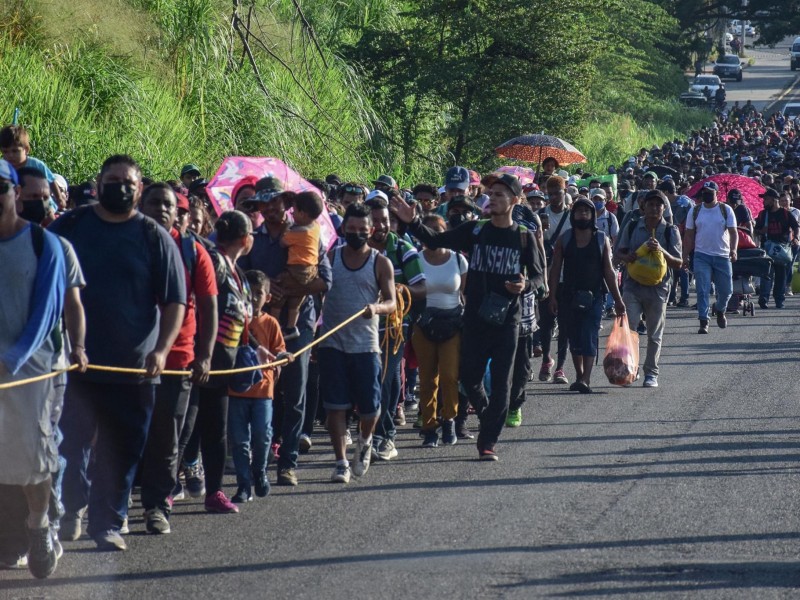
376	194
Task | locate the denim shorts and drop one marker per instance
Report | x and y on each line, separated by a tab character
350	381
582	328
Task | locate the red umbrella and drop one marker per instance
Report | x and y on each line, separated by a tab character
235	168
750	189
536	148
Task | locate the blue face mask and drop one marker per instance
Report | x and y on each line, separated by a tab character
598	206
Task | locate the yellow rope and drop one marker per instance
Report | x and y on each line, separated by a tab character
11	384
107	369
394	325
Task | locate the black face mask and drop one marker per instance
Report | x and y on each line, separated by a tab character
456	220
117	197
582	223
356	240
33	211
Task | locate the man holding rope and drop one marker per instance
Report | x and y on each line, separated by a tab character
350	359
30	345
134	273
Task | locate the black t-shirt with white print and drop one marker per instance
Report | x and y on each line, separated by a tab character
495	255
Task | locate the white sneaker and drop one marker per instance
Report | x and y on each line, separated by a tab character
341	474
362	456
650	381
305	443
386	450
348	438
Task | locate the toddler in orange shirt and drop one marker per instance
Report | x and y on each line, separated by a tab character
301	240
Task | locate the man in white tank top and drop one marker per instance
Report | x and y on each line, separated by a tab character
349	360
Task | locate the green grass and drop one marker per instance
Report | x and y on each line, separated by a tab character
610	140
165	90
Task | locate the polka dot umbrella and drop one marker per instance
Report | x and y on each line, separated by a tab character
536	148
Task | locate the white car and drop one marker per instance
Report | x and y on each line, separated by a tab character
791	110
712	82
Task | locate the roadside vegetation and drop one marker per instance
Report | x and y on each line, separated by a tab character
357	88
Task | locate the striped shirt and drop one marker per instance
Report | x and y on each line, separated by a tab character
405	260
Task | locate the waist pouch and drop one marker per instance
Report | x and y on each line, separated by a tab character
494	308
582	301
441	324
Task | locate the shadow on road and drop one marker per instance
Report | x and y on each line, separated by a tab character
715	575
675	578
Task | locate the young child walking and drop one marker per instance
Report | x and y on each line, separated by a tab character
250	412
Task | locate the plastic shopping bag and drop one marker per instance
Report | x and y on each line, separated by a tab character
621	362
649	267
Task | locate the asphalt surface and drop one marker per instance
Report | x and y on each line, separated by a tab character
765	81
688	490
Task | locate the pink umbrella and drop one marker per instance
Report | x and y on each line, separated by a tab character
524	174
750	189
235	168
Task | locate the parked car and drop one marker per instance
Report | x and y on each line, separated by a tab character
791	110
728	66
712	82
694	99
795	54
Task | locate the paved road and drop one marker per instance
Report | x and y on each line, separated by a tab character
764	82
689	490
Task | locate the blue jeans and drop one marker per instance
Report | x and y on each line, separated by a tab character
790	268
679	277
118	416
292	390
390	395
709	268
249	430
775	284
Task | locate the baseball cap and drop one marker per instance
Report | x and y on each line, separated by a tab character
456	177
375	197
183	201
535	194
190	169
506	179
85	193
267	188
458	201
710	185
657	194
197	184
60	182
8	172
770	193
597	192
650	174
386	180
474	178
